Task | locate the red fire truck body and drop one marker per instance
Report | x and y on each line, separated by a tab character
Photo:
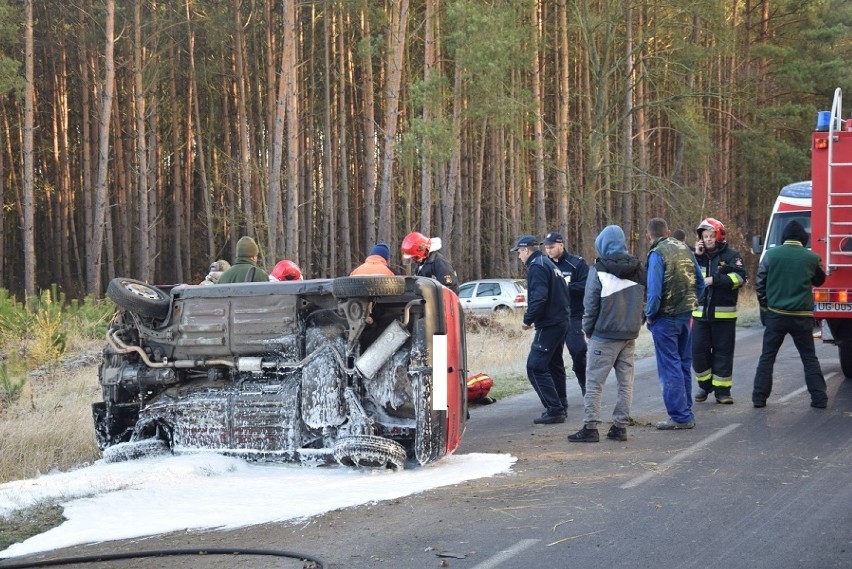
831	230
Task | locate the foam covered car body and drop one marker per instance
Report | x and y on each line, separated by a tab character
364	371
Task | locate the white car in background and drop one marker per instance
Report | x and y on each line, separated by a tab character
494	295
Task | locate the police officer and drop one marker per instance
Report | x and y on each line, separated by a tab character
547	311
575	270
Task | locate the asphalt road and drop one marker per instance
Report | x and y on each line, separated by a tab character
747	488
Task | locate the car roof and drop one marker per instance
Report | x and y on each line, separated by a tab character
503	280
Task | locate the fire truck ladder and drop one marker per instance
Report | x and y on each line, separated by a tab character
839	232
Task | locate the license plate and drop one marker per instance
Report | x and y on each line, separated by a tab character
833	307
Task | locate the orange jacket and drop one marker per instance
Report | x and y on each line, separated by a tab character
373	265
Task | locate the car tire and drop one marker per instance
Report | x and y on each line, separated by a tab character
139	297
502	310
369	451
348	287
123	452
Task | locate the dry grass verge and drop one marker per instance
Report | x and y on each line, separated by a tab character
50	426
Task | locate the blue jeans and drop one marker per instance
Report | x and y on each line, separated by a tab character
546	369
673	348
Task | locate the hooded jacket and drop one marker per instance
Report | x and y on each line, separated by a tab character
615	290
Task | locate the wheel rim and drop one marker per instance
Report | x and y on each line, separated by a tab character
141	290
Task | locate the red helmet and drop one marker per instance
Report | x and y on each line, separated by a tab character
415	246
715	225
286	271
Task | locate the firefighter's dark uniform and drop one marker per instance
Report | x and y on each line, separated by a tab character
437	267
715	319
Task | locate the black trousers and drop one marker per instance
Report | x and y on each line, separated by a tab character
800	329
546	368
713	354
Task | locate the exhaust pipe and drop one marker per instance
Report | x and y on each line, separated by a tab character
386	345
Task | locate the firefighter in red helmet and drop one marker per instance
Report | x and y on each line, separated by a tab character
429	262
286	271
715	317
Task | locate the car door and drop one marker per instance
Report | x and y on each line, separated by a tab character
486	297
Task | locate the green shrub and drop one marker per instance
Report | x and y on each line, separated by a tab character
49	338
15	319
11	385
89	318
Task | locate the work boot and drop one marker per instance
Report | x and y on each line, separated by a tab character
724	398
617	433
585	435
701	396
672	425
547	419
705	388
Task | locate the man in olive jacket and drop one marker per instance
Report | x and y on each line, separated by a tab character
784	284
245	267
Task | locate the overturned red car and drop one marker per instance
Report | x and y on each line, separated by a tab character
365	371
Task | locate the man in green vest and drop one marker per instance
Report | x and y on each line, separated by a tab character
674	285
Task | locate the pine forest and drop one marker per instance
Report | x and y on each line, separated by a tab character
142	138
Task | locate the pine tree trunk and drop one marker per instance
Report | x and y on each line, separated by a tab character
95	249
29	165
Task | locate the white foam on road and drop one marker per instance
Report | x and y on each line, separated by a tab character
156	495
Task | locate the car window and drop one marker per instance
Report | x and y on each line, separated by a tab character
466	290
488	289
521	286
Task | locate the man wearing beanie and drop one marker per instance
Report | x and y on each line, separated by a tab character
244	269
376	262
784	284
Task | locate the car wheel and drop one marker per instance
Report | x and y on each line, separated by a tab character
502	310
347	287
138	297
369	451
123	452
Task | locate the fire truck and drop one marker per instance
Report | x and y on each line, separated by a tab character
831	228
823	205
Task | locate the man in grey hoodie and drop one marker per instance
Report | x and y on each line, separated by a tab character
612	318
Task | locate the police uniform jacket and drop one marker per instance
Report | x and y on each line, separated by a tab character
575	270
548	301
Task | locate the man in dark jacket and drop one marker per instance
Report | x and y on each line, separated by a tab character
575	271
614	297
430	263
548	311
245	267
714	327
784	284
